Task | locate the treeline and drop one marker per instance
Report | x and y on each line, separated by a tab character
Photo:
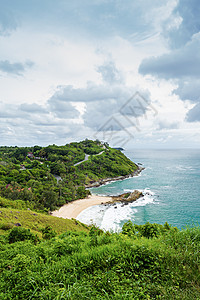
47	177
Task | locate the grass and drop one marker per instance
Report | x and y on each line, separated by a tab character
101	265
18	204
36	221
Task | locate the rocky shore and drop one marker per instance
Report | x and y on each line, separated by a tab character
106	180
126	198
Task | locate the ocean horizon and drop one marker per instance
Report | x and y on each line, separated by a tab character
170	183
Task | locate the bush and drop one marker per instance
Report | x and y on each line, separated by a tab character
128	228
147	230
6	226
21	234
48	233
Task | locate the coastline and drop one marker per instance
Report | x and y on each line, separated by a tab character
113	179
74	208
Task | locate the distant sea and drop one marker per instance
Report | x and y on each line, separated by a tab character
171	187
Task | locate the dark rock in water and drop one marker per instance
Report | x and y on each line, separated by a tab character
119	148
115	207
18	224
127	197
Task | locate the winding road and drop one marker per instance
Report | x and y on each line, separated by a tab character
86	158
58	178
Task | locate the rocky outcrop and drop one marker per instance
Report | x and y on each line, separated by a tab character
106	180
126	197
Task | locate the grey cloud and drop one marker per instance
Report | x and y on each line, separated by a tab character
92	19
189	89
8	21
110	74
15	68
62	109
92	92
103	101
21	128
194	114
189	12
33	108
10	111
177	64
167	125
58	117
182	65
122	106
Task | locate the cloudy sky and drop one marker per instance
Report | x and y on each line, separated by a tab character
127	72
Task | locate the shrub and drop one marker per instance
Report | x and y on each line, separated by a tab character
48	233
6	226
94	233
21	234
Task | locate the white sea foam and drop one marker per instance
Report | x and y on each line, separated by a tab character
181	168
109	217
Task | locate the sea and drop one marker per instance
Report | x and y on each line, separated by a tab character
170	183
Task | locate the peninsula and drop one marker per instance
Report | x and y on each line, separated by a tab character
46	178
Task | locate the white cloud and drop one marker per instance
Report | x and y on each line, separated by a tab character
85	59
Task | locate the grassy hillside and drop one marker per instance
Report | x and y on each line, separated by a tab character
35	221
143	262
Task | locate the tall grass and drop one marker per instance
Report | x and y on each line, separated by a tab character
115	266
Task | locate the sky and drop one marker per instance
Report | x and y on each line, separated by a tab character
124	72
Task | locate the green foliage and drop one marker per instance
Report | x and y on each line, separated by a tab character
21	234
147	230
44	178
117	266
94	233
36	221
128	228
48	233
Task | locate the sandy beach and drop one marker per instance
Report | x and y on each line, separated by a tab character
73	209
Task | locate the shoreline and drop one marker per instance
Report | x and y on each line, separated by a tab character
113	179
72	209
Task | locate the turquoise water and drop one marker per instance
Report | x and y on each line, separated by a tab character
170	182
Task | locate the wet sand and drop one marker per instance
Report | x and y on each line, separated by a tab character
73	209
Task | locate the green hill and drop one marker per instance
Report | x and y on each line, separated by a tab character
48	177
35	221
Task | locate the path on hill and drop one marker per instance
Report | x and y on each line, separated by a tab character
58	178
86	158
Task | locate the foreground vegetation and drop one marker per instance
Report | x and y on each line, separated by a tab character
36	222
142	262
48	177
